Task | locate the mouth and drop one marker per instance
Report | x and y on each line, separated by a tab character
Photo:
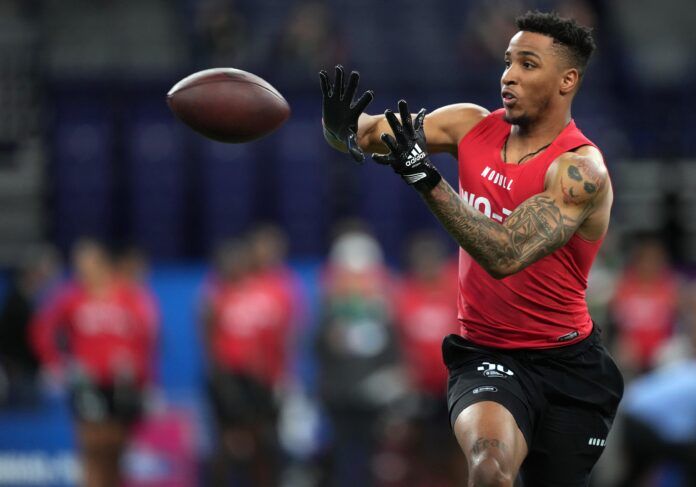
509	98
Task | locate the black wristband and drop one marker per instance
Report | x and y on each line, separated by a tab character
426	183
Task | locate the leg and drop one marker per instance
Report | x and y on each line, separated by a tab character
264	463
492	442
101	445
567	444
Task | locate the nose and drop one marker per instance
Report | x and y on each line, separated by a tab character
509	77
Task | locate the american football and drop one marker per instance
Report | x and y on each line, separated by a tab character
228	105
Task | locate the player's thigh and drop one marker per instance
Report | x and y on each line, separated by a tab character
566	446
102	437
488	430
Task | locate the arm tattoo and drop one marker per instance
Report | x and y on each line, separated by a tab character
580	182
485	443
574	173
535	229
592	180
569	195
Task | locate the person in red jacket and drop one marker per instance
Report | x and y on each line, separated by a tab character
645	304
98	334
246	323
426	312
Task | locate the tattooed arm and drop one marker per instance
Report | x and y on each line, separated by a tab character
575	187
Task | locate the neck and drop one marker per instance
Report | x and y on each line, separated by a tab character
98	284
541	131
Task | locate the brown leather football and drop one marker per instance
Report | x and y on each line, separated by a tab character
228	105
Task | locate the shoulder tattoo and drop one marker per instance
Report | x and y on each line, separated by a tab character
580	180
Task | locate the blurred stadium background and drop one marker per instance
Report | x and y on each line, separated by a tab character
88	147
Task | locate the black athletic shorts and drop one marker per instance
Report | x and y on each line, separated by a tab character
564	401
239	399
97	403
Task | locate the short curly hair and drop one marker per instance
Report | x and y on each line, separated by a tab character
575	41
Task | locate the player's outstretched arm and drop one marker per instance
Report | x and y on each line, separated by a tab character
540	225
348	129
444	128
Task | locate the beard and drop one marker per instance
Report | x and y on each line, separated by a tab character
525	119
521	120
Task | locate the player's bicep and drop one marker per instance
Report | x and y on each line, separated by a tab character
446	126
546	221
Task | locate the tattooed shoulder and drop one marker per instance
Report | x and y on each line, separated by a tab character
580	178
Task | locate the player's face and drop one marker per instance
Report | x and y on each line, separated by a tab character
531	77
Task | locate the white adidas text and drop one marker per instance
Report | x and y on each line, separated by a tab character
416	155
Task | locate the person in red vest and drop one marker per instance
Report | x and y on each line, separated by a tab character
246	323
98	334
269	270
532	390
425	308
645	305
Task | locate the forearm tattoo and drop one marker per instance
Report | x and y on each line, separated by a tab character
535	229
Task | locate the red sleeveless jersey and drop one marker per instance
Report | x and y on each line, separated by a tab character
543	305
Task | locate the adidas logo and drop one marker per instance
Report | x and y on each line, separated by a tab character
416	155
597	442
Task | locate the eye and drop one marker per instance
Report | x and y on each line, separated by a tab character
507	63
528	65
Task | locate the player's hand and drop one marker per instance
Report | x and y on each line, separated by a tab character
408	155
339	113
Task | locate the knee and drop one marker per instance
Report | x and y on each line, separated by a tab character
489	471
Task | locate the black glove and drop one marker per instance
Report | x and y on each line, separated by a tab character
339	113
408	156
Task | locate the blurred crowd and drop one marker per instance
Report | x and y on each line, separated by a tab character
380	383
374	411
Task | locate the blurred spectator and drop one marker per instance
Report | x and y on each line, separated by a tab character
359	376
659	414
107	333
247	321
426	312
132	267
601	285
311	40
268	248
644	306
29	285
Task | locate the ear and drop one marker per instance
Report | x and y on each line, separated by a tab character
569	81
